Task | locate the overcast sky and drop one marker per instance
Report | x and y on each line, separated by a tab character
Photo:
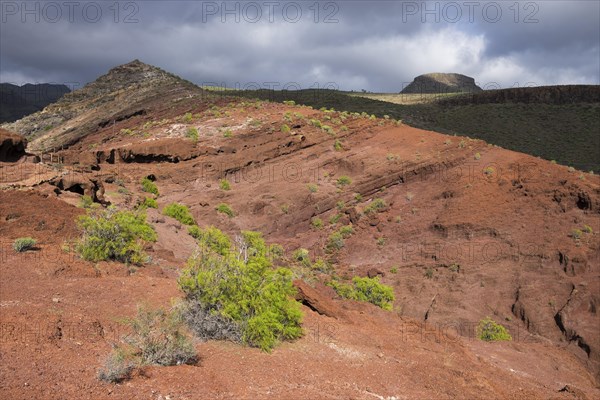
373	45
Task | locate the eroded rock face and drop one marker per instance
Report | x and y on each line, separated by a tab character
12	146
316	301
442	83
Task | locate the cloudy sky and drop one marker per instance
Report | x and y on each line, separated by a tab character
352	45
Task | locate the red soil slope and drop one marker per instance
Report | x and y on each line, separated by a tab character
469	231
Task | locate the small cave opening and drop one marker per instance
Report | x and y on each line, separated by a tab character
76	188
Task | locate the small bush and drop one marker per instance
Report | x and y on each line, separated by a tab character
86	201
192	133
346	231
343	181
337	146
187	118
334	219
285	128
302	256
335	242
149	187
180	212
428	273
366	289
114	235
289	102
316	223
148	203
117	367
228	133
330	131
23	244
375	206
224	184
224	208
242	287
313	188
489	331
158	338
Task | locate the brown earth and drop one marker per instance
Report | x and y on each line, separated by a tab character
469	231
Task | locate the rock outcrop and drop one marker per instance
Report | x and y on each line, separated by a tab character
12	146
442	83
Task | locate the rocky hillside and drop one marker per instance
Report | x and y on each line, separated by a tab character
125	91
442	83
19	101
460	229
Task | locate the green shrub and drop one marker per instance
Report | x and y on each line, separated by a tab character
334	219
340	205
149	187
489	331
346	231
114	235
211	238
224	184
194	231
313	188
328	129
302	256
225	209
148	203
343	181
158	337
376	205
335	242
322	266
192	133
285	128
187	117
228	133
180	212
366	289
242	286
23	244
289	102
86	201
394	270
316	223
337	146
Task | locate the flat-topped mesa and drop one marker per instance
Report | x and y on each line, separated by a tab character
442	83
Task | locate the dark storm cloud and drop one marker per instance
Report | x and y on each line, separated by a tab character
375	45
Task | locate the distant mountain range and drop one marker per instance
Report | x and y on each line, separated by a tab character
19	101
